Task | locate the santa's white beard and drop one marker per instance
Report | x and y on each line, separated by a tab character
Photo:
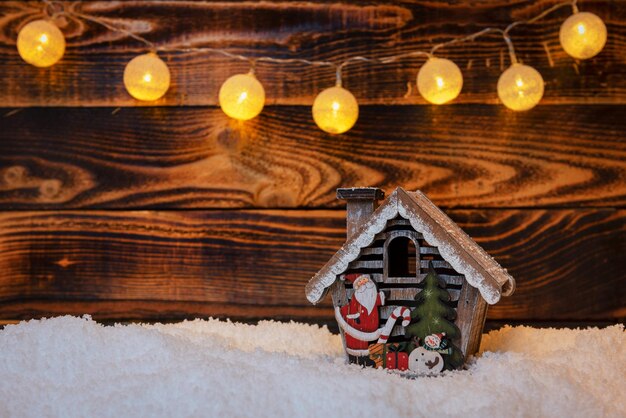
366	296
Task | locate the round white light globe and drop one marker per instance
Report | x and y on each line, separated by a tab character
520	87
583	35
146	77
335	110
439	80
242	96
41	43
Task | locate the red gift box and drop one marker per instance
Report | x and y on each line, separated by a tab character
398	360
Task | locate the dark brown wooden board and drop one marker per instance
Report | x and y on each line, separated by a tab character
91	72
460	156
569	264
567	155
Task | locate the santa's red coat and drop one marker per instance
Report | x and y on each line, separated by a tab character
366	322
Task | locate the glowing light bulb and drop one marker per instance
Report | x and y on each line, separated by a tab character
520	87
41	43
242	96
146	77
583	35
439	80
335	110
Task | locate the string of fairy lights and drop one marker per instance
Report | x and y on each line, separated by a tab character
335	110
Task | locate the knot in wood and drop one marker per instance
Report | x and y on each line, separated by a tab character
52	9
14	175
50	188
274	197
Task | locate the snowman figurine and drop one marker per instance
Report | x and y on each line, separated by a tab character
426	359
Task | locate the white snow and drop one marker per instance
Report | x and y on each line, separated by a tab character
75	367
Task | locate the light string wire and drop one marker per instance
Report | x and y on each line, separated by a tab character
53	8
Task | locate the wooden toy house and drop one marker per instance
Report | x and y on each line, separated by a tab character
409	287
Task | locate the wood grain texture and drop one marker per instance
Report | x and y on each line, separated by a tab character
569	264
462	155
90	74
471	314
136	262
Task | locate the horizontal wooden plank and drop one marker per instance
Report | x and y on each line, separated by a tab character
408	294
156	310
398	222
381	236
450	279
91	71
372	251
379	250
436	264
367	264
463	155
429	250
569	264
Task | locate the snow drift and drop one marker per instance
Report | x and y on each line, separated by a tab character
75	367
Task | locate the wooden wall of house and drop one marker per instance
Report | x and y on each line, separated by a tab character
401	291
170	210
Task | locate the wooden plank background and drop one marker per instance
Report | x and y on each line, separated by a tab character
461	155
163	211
92	69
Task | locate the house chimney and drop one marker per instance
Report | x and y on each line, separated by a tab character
360	204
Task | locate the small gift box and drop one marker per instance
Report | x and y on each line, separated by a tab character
389	356
377	354
396	359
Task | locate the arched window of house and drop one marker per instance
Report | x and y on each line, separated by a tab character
401	258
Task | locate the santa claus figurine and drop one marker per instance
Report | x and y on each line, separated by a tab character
361	314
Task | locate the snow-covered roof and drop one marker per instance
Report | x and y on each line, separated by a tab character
455	246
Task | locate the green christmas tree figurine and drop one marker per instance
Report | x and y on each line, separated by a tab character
434	315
